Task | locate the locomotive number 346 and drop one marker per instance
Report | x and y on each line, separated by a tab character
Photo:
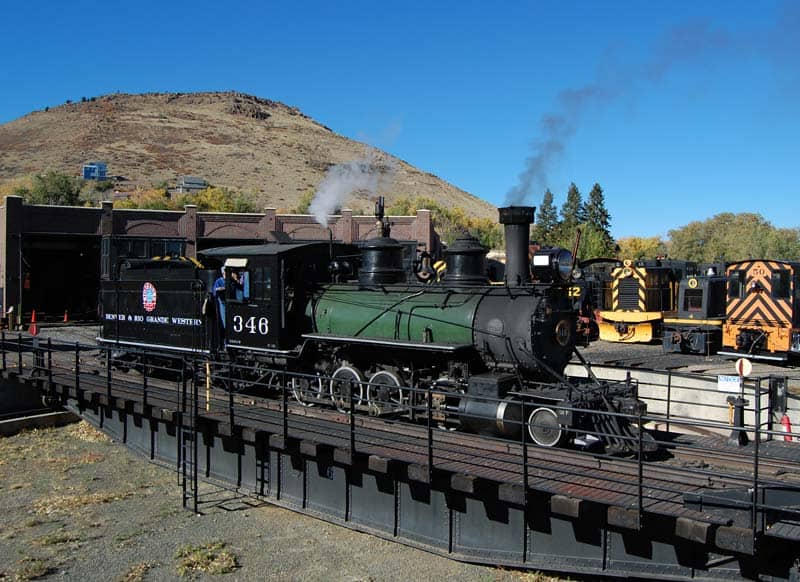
253	324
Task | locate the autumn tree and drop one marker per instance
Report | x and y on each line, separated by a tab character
150	199
212	199
450	222
636	247
216	199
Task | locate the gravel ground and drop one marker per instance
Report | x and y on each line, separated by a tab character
77	506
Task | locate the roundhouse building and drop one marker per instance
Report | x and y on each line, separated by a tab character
52	257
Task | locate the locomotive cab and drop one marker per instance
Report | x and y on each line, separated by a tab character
267	288
697	325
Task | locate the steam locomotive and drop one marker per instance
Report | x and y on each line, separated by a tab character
349	327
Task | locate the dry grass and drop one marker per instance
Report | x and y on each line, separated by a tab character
91	458
30	569
57	538
67	503
211	558
539	577
137	572
86	432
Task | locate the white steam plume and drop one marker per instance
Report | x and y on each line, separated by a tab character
366	175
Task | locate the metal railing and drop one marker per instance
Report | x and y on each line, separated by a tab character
414	425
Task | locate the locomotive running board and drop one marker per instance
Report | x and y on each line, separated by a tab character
450	348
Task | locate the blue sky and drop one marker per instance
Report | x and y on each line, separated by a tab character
680	110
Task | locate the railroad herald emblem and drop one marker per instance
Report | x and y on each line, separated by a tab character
149	297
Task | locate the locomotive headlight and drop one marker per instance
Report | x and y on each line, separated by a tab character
552	265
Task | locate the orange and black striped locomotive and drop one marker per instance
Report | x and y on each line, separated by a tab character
763	312
643	292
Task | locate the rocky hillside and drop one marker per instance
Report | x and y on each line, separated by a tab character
270	151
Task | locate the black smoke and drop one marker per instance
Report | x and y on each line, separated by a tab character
689	42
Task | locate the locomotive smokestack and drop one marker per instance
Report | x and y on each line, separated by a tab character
517	222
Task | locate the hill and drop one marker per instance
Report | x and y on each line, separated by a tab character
270	151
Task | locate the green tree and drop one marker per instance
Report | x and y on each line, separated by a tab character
573	211
598	224
544	231
53	188
734	237
572	216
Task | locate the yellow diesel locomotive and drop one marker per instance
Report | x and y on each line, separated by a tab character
643	292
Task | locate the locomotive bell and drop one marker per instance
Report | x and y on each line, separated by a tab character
517	221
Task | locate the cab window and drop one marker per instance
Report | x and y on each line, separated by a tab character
780	284
736	282
693	300
261	283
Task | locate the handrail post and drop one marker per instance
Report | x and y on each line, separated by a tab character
108	375
77	368
430	435
640	461
144	382
49	363
19	354
669	396
352	425
3	343
756	438
285	405
230	407
524	427
181	440
195	447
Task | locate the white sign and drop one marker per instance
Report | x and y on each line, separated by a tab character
729	383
